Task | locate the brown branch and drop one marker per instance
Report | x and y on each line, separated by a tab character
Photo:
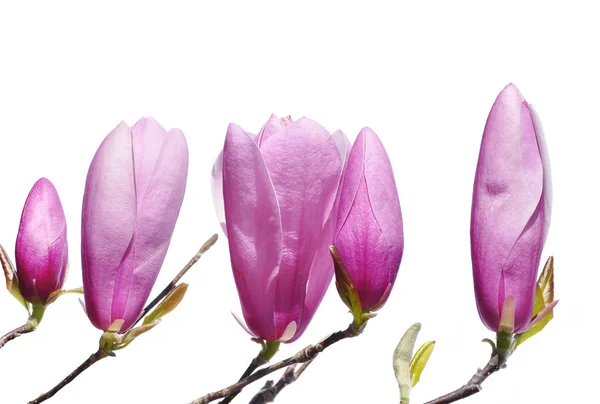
255	364
100	354
305	355
103	353
473	386
17	332
270	390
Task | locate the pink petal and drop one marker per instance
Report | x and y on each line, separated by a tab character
508	218
304	165
321	271
273	125
253	228
547	189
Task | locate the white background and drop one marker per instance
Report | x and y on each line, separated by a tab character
422	74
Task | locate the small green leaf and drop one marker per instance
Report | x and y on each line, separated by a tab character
546	281
132	334
168	304
419	361
402	358
538	323
12	281
543	304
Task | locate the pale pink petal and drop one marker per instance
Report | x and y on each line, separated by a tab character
160	182
108	221
273	125
343	145
217	190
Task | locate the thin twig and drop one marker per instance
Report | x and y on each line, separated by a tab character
270	390
100	354
17	332
305	355
209	243
255	364
473	386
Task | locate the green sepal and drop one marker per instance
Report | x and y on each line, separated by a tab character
419	361
348	293
12	281
58	293
168	304
543	303
269	349
402	359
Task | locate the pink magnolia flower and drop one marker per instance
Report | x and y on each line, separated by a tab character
133	193
275	194
369	232
41	249
511	209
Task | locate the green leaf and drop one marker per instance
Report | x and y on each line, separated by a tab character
546	281
419	361
12	281
538	323
132	334
168	304
402	359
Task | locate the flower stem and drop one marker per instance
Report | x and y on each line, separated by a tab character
32	322
269	349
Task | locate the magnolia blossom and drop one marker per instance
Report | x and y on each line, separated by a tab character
369	232
41	248
133	193
275	194
511	210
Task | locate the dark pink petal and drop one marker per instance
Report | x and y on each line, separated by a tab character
41	249
370	236
253	230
